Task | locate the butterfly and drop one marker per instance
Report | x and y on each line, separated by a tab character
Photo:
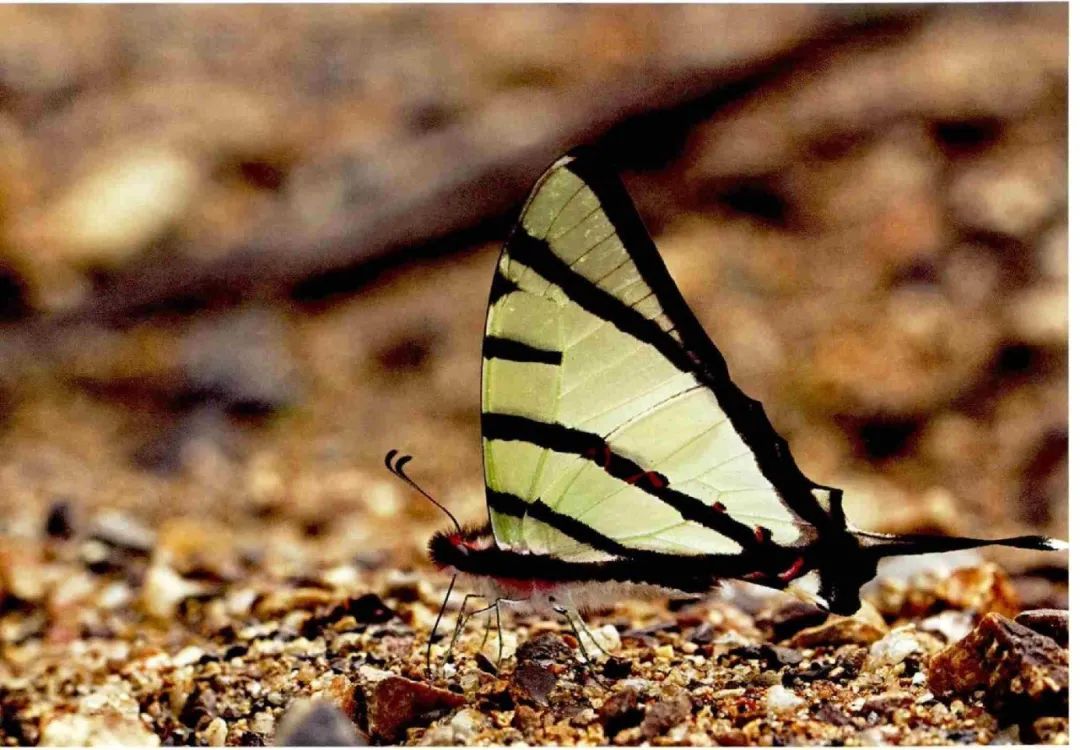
620	459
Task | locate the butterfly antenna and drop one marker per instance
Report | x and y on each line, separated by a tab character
396	466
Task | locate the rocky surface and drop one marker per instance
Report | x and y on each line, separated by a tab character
229	283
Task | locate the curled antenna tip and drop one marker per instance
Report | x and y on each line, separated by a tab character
397	468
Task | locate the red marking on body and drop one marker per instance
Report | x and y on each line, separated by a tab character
794	570
522	589
756	575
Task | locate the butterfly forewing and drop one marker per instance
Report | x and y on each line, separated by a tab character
604	427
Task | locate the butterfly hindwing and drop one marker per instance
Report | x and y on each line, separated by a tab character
610	424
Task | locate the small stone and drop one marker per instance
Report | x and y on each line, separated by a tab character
607	637
59	523
108	727
188	655
397	702
893	648
465	724
216	732
790	618
862	628
122	531
620	711
532	682
317	723
1053	623
665	714
886	702
1047	730
1025	674
163	590
950	624
617	669
779	699
547	648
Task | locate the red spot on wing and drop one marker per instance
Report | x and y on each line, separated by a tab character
719	507
794	570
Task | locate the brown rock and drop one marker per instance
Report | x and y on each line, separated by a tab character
620	711
396	702
1053	623
788	619
662	716
546	648
864	627
532	682
1025	674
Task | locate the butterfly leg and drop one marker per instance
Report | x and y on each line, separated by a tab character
487	629
565	612
576	613
459	626
438	619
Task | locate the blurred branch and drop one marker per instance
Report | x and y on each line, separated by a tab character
451	180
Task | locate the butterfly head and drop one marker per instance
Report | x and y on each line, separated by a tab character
457	547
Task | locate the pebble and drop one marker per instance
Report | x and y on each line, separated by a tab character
105	728
163	590
951	624
861	628
620	711
464	725
663	715
1053	623
316	723
188	655
216	732
790	618
396	702
533	682
59	523
893	648
119	207
779	699
121	530
608	638
1024	674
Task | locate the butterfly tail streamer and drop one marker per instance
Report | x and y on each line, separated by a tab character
887	545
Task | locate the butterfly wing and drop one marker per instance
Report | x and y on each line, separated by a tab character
610	423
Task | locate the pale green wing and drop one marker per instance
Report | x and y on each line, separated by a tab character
609	421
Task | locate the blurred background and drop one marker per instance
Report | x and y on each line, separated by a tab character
244	251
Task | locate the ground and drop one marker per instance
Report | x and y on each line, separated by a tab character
242	258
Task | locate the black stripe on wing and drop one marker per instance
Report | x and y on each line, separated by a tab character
512	505
538	255
494	426
698	352
496	347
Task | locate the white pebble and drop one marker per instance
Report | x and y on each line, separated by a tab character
893	648
779	698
